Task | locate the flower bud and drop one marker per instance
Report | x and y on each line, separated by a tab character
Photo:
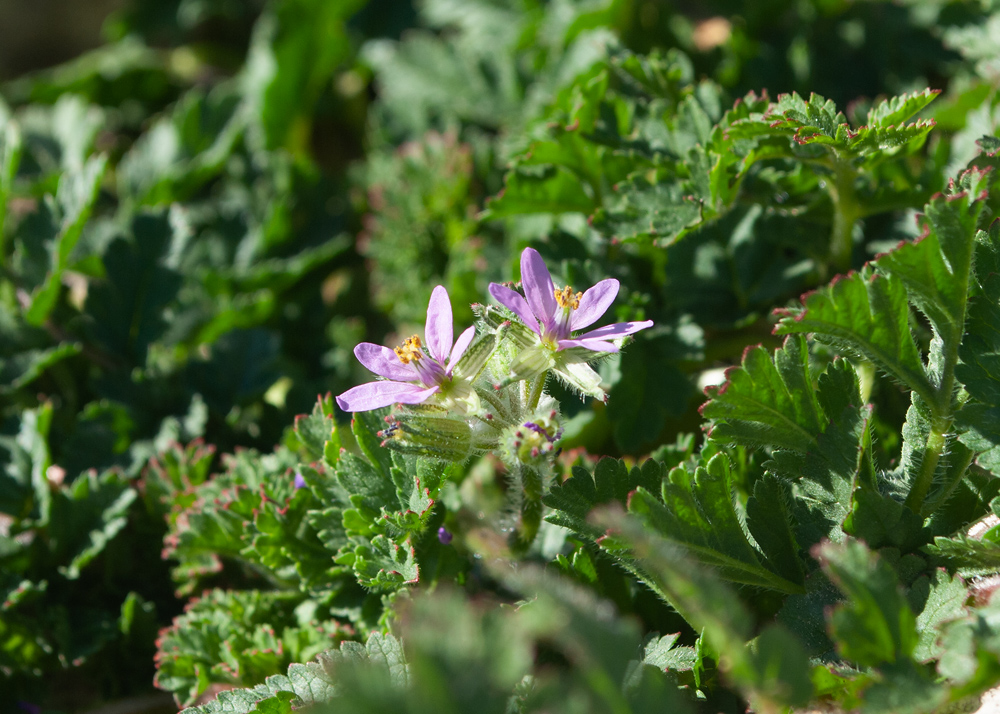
535	440
437	437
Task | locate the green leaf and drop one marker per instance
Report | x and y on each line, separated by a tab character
548	190
28	365
819	435
661	210
695	509
968	555
316	433
713	609
936	268
661	652
77	193
979	418
896	110
881	521
12	146
939	599
971	648
85	516
771	521
609	482
312	683
866	315
815	128
875	627
240	638
127	308
769	402
382	565
294	51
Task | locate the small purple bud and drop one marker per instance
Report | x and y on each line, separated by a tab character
29	707
444	536
299	481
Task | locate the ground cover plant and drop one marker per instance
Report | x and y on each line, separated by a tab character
503	355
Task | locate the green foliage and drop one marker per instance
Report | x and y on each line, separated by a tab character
238	638
202	218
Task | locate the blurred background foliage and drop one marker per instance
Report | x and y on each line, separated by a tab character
205	204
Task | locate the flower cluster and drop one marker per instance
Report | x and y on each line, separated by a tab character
446	388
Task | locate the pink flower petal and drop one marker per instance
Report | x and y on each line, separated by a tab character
516	304
619	329
594	303
384	362
376	395
461	345
592	345
438	329
538	287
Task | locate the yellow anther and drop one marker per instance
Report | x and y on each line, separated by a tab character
567	298
409	350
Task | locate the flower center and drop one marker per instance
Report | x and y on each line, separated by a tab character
409	351
567	298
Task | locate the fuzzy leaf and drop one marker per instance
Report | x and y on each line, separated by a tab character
866	315
311	683
876	626
712	607
696	510
936	268
939	599
382	564
768	402
75	196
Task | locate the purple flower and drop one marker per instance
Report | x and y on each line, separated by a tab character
553	315
411	375
444	536
300	481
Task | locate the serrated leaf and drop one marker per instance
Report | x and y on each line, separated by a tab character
382	564
895	110
609	482
936	268
696	510
547	190
939	599
768	401
967	555
712	608
771	521
979	419
243	638
875	626
86	516
75	196
865	315
815	129
316	431
661	652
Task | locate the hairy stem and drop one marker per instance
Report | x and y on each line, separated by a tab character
531	510
535	391
933	449
498	407
846	212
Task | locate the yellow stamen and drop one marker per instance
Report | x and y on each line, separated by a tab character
567	298
409	350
